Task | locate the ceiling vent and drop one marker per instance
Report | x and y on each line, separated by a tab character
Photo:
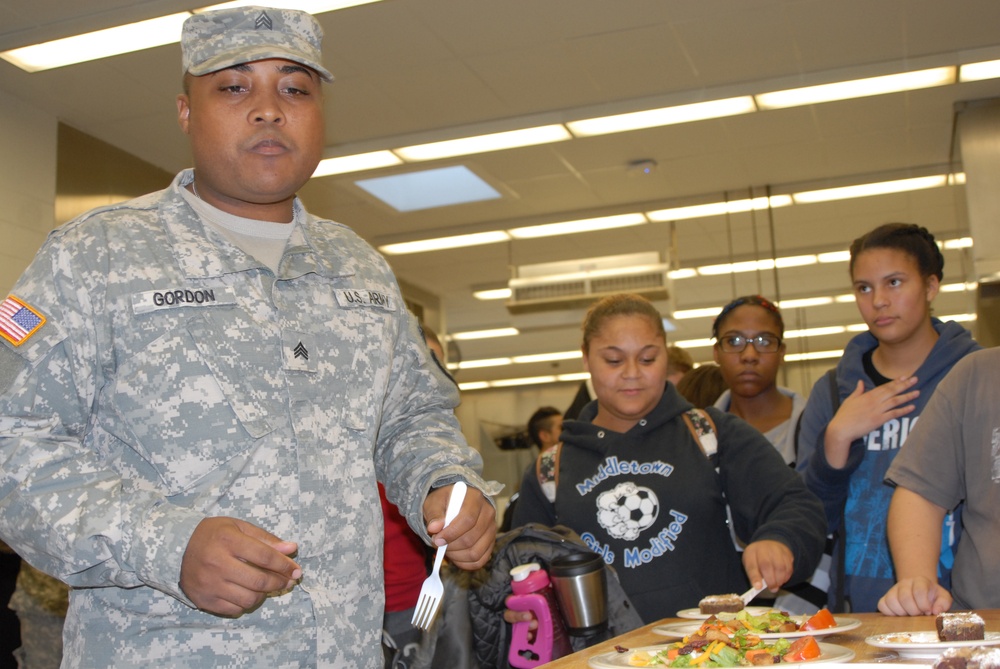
573	284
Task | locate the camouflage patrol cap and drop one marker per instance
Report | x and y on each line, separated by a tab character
213	41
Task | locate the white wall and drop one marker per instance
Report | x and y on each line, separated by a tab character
27	184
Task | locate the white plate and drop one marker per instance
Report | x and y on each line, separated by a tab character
612	660
696	614
925	645
681	630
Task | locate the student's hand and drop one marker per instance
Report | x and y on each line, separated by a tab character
470	535
915	597
861	412
512	616
230	566
769	560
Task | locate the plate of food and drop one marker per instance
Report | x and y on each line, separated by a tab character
696	614
772	624
960	629
669	655
926	645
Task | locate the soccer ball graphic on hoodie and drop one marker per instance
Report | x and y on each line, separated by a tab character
627	510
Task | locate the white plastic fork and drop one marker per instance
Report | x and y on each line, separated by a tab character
753	592
432	590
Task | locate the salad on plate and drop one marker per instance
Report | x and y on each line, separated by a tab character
719	643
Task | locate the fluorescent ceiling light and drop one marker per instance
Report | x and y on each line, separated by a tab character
429	189
815	355
573	376
959	318
526	381
356	163
463	146
805	302
857	327
485	362
684	273
311	6
960	243
573	227
719	208
698	211
978	71
736	267
533	380
484	334
98	44
137	36
547	357
695	343
858	88
844	299
696	313
959	287
795	261
474	385
441	243
493	294
815	332
866	190
652	118
834	256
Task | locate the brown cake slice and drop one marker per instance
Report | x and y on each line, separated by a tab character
978	657
721	604
960	626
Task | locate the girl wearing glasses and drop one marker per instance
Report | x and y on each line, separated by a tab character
633	481
748	336
884	380
749	350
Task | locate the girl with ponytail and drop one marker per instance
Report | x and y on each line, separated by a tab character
884	380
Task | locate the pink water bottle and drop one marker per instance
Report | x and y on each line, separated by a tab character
533	592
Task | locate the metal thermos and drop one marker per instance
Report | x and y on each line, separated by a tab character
581	586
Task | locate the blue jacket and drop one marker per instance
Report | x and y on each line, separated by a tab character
858	491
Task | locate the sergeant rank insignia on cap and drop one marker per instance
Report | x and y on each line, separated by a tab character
18	321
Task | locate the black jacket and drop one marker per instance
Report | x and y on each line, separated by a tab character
676	547
491	586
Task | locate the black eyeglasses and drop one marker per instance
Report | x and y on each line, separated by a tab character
764	343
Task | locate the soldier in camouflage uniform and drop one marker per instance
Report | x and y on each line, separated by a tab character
200	387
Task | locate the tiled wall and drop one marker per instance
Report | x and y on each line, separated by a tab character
91	173
27	184
50	173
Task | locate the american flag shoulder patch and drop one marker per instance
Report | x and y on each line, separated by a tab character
18	321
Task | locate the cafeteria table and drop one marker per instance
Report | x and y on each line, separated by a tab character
871	624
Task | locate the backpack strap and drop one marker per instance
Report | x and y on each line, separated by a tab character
831	377
547	471
699	423
702	428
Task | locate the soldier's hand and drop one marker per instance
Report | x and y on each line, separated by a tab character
470	535
230	566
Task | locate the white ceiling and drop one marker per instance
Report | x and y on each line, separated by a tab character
412	70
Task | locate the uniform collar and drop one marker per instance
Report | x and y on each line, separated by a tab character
202	252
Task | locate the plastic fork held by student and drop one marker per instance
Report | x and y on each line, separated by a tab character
753	592
433	590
